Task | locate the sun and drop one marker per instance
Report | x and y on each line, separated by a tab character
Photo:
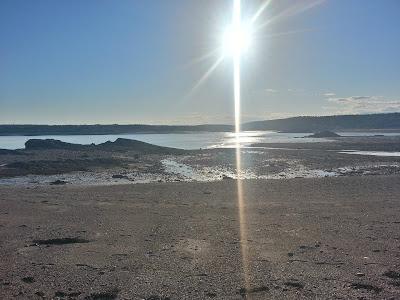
237	37
236	40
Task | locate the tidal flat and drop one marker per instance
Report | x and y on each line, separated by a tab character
130	220
127	161
301	238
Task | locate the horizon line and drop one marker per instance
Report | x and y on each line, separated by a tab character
194	125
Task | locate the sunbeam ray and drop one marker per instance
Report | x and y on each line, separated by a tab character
202	58
260	11
291	11
205	76
237	52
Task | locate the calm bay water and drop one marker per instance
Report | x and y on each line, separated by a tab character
195	140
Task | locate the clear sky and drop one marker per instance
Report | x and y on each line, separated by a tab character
136	61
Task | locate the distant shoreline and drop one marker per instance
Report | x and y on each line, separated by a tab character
121	134
37	130
373	122
372	130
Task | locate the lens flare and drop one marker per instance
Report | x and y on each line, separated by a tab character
238	45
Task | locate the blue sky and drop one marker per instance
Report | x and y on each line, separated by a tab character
135	61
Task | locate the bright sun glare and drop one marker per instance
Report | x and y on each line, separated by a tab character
236	40
237	37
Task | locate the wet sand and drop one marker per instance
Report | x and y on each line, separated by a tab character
318	238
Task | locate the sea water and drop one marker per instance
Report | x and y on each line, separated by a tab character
189	140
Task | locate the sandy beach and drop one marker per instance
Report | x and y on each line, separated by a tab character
316	238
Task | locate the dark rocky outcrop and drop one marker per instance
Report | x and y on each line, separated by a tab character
119	145
50	157
137	146
50	144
